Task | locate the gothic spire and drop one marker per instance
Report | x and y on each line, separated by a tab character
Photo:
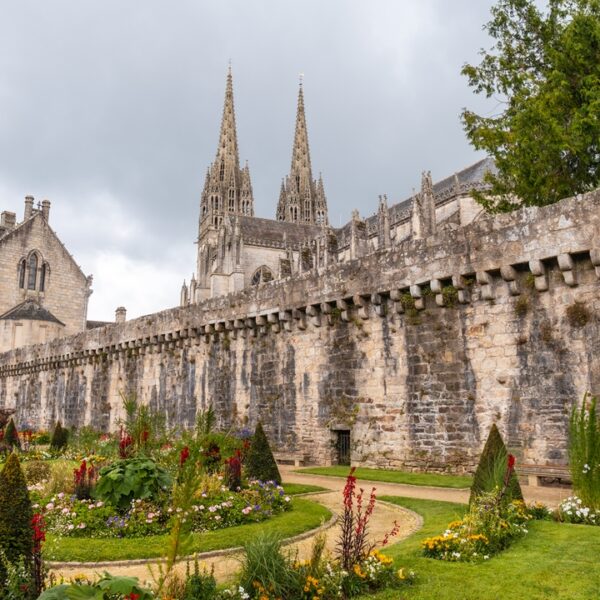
228	148
302	199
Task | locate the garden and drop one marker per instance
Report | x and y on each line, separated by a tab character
144	492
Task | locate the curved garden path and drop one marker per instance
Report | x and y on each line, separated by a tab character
381	521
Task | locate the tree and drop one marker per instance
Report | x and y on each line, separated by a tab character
11	436
60	437
260	463
492	467
544	70
16	535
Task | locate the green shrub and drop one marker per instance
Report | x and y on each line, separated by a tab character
199	585
16	538
584	452
266	571
130	479
11	436
260	463
37	471
109	587
492	467
60	437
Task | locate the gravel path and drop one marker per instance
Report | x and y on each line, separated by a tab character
381	521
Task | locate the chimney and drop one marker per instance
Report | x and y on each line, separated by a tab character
28	207
46	210
120	314
8	220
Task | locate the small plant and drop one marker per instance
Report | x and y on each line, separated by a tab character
60	437
233	472
578	315
521	306
130	479
38	526
199	585
450	296
11	436
352	545
260	462
37	471
85	478
16	542
108	587
205	423
491	470
584	451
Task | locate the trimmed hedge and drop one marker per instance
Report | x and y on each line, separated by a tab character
260	463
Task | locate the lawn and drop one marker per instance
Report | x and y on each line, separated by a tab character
293	489
305	515
554	560
390	476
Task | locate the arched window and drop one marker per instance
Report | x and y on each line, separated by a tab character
298	183
43	276
231	200
222	171
261	275
33	265
22	268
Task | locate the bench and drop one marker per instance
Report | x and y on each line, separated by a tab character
537	475
283	458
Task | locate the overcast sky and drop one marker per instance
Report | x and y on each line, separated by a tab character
111	110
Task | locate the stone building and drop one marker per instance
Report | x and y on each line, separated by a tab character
43	292
236	249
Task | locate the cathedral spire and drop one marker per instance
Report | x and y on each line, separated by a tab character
227	150
228	189
301	199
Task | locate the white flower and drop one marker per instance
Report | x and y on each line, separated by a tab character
49	506
70	526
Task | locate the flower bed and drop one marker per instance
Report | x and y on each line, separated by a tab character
68	516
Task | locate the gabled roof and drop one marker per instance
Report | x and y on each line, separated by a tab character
28	223
30	310
270	232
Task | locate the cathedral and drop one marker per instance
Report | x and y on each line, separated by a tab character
237	250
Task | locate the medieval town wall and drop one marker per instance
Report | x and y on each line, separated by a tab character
416	349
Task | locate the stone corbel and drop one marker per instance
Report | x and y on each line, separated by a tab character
273	320
509	274
250	330
315	317
300	318
458	281
396	297
436	288
595	258
285	317
484	279
362	304
417	295
344	309
230	327
565	264
538	270
379	304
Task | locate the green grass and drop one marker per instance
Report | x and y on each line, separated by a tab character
554	560
293	489
390	476
305	515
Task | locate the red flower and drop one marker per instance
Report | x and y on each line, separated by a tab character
145	435
511	461
184	455
132	596
39	534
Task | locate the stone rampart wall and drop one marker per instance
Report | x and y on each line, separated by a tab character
416	349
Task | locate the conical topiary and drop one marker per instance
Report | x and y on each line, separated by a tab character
16	536
260	463
491	469
11	435
60	437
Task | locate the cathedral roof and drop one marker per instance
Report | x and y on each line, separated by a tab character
267	232
30	310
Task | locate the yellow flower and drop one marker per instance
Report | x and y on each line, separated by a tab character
400	574
359	572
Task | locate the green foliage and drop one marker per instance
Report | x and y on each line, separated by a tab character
260	463
129	479
492	469
205	423
142	424
16	538
60	437
11	436
544	71
584	452
37	471
108	587
577	315
264	564
199	585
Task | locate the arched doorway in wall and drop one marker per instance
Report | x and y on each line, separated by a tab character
261	275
